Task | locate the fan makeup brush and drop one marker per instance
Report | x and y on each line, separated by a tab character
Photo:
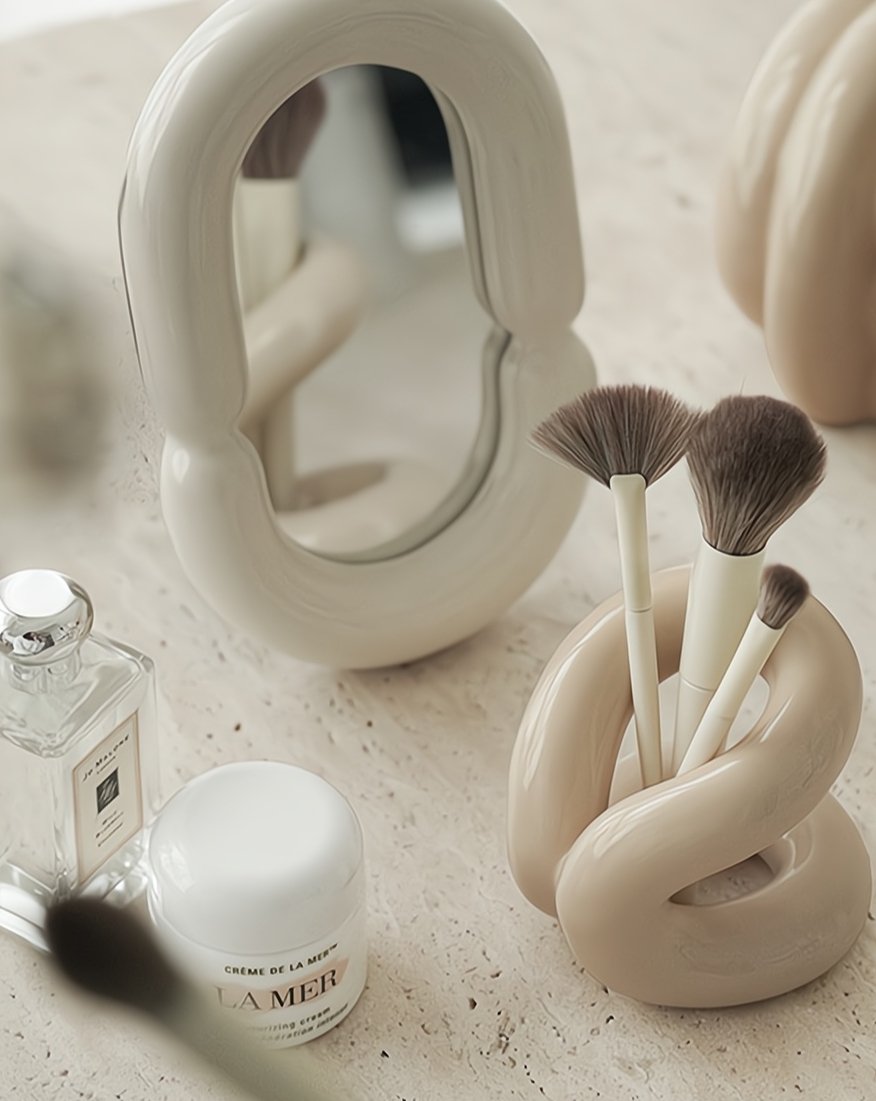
782	594
108	952
627	437
753	461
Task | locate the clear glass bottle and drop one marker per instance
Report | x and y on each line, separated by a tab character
78	754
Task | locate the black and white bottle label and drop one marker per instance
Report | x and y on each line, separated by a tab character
107	797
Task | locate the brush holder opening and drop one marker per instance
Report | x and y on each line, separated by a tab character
610	872
626	777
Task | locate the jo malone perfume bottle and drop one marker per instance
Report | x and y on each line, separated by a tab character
78	760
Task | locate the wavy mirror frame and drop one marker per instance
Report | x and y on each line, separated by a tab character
513	169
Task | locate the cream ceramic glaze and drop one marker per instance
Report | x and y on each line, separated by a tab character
609	872
513	169
795	231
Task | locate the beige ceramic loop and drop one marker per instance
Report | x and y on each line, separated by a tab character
795	228
609	873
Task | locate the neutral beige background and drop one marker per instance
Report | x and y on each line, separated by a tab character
472	993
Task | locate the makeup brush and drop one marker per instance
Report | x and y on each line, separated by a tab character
266	204
753	461
108	952
627	437
268	247
782	594
54	394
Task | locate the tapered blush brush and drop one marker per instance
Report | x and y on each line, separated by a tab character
753	461
627	437
107	951
783	593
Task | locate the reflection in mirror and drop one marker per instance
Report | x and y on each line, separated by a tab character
373	368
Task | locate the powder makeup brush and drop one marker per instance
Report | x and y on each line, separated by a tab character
782	594
753	461
627	437
109	952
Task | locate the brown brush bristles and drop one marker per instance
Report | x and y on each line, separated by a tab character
782	594
279	148
109	952
753	461
619	430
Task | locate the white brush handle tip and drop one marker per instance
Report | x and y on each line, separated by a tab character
757	644
642	653
628	491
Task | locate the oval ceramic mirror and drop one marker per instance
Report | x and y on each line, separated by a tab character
346	471
372	404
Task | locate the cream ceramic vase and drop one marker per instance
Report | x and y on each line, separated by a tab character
611	866
795	226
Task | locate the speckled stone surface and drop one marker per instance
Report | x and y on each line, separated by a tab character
472	993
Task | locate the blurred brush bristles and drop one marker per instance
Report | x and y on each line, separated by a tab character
278	150
753	461
109	952
782	594
619	430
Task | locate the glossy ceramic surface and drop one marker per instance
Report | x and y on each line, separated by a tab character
502	109
795	230
611	871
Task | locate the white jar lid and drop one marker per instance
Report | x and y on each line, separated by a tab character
255	858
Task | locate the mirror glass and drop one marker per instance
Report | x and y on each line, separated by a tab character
372	364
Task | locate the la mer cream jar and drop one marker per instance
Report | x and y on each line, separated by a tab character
257	890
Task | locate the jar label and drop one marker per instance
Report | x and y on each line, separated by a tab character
289	998
107	797
298	992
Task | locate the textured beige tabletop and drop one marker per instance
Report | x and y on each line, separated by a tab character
471	992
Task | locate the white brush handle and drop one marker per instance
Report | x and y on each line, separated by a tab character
757	644
722	596
269	1075
628	491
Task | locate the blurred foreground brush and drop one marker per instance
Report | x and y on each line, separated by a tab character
53	393
108	952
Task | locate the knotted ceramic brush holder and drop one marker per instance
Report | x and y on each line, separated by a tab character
611	871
